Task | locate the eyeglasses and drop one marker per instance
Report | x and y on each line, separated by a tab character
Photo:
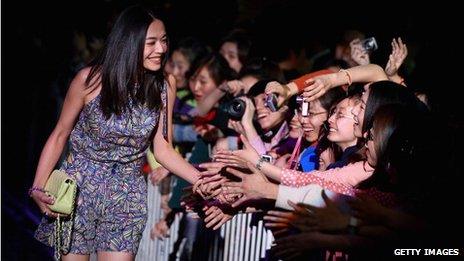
312	114
338	114
369	135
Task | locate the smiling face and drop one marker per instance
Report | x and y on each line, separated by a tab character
313	122
155	46
202	84
341	124
267	118
179	66
358	112
230	51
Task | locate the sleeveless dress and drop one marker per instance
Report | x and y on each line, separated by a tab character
106	159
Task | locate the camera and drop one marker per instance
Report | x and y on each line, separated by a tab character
271	102
304	105
369	44
236	109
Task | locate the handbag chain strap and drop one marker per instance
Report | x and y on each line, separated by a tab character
59	223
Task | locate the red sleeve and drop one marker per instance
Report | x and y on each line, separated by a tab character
300	82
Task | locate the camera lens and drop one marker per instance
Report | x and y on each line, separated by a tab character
236	106
236	109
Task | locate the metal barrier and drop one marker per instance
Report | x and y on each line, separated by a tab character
238	239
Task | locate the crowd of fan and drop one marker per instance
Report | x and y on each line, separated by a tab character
343	159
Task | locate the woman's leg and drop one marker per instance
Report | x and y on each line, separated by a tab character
75	257
115	256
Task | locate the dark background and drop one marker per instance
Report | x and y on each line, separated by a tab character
36	47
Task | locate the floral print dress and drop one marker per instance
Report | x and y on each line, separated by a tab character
106	158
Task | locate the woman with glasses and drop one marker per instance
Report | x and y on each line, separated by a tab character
312	125
377	94
341	132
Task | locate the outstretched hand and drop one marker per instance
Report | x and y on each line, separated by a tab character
216	216
397	56
311	218
368	210
317	86
238	158
253	186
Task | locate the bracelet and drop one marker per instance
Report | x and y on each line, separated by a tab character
34	189
350	81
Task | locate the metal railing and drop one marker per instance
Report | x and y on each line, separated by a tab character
240	239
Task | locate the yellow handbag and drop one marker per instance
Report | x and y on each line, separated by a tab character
63	189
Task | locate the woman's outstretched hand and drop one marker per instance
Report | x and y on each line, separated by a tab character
253	186
238	158
397	56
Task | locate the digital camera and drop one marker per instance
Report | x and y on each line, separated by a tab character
236	109
369	44
304	105
271	102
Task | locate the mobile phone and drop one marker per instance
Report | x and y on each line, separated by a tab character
271	102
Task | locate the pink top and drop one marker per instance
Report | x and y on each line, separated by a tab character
262	147
346	177
338	180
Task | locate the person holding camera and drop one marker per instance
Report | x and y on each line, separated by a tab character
272	127
313	85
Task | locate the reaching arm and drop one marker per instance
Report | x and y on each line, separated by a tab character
319	85
163	150
348	176
314	85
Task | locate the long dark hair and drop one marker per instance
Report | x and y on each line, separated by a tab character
119	66
396	132
388	92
